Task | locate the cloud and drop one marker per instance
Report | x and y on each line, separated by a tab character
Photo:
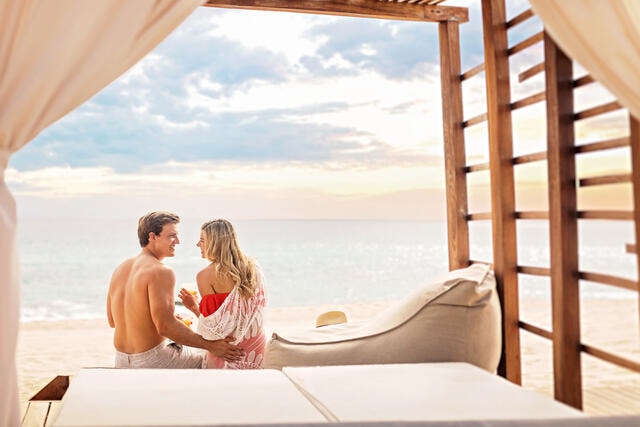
199	178
396	50
233	85
244	105
232	189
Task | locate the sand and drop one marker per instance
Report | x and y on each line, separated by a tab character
50	348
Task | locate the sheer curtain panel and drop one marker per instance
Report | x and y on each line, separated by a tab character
604	37
54	55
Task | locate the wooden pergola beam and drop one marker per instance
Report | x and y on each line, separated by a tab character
353	8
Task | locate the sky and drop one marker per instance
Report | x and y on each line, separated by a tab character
253	115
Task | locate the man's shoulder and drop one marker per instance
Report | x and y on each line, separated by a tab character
124	267
142	264
153	273
159	269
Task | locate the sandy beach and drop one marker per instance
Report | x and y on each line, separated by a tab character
47	349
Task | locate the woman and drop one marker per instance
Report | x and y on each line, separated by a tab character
233	296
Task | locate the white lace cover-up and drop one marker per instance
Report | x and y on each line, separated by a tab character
243	319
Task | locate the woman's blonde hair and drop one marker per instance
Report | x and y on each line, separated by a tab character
221	247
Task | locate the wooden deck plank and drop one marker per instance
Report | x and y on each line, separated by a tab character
41	413
612	400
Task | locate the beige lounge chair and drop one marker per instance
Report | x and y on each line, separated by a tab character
455	318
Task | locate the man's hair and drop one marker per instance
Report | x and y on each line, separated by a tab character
153	222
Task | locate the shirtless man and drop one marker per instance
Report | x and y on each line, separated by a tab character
140	306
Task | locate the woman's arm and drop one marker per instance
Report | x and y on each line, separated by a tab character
190	301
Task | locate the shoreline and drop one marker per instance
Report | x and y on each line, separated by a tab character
61	347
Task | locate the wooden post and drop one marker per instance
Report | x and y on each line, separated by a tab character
505	246
563	226
454	150
634	141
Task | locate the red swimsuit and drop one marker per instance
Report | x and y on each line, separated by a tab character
210	303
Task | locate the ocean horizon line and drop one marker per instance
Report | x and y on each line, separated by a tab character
306	262
199	218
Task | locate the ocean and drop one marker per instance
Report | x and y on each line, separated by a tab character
66	264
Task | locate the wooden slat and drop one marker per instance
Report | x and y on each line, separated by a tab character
530	158
583	81
41	413
563	227
480	118
608	279
505	248
480	216
454	152
477	168
519	19
609	144
536	330
610	215
476	261
532	215
598	110
529	100
534	271
622	178
610	357
353	8
531	72
526	43
472	72
37	414
631	248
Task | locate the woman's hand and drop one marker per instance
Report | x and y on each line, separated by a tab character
189	300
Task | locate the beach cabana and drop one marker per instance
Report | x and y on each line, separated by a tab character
103	39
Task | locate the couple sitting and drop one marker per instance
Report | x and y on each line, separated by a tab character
141	308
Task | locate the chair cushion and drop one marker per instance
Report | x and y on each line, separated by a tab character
455	318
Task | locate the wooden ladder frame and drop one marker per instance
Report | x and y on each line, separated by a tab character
563	215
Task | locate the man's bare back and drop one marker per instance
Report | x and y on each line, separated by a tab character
130	305
140	302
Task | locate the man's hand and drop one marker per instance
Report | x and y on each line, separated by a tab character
225	350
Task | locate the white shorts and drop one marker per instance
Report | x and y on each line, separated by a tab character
166	355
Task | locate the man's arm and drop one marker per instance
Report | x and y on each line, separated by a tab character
109	314
161	303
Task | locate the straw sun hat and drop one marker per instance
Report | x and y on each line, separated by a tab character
332	317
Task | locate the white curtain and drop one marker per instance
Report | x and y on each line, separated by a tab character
604	37
54	55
